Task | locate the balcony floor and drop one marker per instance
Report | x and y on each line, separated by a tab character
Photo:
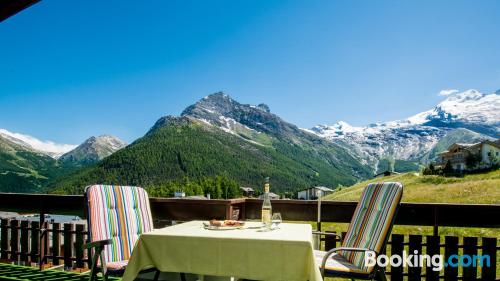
15	272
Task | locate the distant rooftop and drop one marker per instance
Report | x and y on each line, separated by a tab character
322	188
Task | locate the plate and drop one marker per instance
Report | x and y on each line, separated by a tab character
213	227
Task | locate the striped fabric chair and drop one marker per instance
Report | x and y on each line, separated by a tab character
368	231
117	215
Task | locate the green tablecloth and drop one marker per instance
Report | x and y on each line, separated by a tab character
285	254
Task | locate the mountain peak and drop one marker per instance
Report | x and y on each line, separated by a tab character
466	96
93	149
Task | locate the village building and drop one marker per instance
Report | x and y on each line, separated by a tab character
470	156
272	196
314	193
247	191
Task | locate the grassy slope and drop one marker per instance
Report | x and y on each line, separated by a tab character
480	188
23	170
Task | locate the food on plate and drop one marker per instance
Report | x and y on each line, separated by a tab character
219	223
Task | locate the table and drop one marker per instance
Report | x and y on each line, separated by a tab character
284	254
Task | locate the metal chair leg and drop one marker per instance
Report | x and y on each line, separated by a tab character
381	275
157	275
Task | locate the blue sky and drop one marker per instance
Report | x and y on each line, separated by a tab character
72	69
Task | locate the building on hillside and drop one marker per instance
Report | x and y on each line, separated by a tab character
314	193
386	174
273	196
470	156
247	191
179	194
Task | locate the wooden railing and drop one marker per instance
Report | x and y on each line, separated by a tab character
54	243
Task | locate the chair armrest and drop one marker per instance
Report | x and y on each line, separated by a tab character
98	244
327	234
347	249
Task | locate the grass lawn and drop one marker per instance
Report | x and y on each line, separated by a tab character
471	189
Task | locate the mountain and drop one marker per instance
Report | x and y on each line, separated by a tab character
92	150
470	109
23	169
219	136
28	164
49	148
418	138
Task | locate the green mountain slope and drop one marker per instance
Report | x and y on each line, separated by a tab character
179	147
24	170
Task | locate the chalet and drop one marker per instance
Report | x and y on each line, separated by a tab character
314	193
247	191
485	154
272	196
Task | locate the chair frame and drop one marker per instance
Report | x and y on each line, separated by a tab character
378	273
98	247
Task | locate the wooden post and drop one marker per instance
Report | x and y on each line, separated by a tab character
4	243
489	248
14	240
35	240
415	249
42	237
397	248
436	222
56	243
330	242
470	248
24	242
79	245
68	245
450	248
432	248
229	211
44	243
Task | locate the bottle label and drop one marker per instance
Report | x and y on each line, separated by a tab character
266	188
266	216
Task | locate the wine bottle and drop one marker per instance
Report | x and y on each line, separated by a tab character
266	206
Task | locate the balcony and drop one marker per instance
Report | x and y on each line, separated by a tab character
47	244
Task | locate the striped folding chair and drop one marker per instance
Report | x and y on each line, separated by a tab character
368	232
117	215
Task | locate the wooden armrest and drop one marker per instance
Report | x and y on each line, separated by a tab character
98	244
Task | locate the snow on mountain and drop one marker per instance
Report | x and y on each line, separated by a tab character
412	138
50	148
470	106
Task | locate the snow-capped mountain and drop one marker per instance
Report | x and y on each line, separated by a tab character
54	150
92	150
414	137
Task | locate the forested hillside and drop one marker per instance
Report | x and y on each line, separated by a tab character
179	148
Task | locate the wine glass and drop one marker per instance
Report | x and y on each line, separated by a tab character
276	220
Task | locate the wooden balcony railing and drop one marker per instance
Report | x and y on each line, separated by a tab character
27	242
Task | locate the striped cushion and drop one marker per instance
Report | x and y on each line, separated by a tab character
371	221
119	213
